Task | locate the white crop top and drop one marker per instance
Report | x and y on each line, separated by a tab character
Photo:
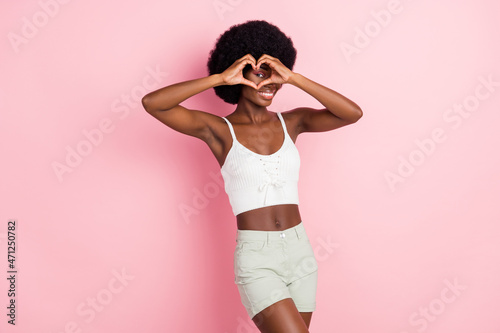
253	180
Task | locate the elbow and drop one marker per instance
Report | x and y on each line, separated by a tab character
146	103
357	113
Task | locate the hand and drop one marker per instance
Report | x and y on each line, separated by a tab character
279	73
234	74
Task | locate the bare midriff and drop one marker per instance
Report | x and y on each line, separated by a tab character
271	218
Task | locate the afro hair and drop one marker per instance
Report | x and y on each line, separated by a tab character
254	37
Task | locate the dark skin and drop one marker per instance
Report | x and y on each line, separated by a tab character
260	131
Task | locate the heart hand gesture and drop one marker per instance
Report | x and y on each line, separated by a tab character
234	74
279	73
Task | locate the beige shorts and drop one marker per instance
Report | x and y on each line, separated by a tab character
270	266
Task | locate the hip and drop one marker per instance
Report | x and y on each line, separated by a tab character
286	252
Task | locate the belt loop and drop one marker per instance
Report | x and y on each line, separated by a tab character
300	232
268	241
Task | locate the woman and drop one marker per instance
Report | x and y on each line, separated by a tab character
275	268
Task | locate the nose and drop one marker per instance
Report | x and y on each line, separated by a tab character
273	85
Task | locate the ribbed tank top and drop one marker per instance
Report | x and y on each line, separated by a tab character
253	180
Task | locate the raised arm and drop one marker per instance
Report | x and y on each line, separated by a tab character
339	110
164	103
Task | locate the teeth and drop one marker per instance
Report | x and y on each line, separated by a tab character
266	94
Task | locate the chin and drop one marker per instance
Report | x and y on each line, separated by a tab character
263	103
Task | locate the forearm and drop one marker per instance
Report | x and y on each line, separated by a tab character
337	104
171	96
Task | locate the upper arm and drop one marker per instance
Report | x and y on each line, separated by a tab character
191	122
317	120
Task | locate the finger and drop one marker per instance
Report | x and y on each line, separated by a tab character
265	59
271	63
265	82
262	61
276	66
243	63
239	68
249	59
246	62
249	83
254	62
247	56
266	56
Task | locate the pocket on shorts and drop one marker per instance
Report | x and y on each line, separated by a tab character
305	260
248	257
249	247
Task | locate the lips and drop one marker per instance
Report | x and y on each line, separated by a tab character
266	94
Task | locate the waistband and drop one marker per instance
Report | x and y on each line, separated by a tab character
296	232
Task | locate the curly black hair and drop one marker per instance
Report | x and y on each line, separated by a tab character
256	37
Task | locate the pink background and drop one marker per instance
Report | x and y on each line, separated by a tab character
418	253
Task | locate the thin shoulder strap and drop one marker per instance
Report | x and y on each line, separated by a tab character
230	128
282	123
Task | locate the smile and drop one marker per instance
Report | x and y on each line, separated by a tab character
266	94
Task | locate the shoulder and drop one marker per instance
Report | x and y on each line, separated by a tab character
294	120
217	128
217	136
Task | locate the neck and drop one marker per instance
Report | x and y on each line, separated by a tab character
252	112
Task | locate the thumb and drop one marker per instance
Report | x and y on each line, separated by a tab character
249	83
263	83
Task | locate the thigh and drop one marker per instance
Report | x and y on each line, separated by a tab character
307	316
281	317
257	276
303	292
303	285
